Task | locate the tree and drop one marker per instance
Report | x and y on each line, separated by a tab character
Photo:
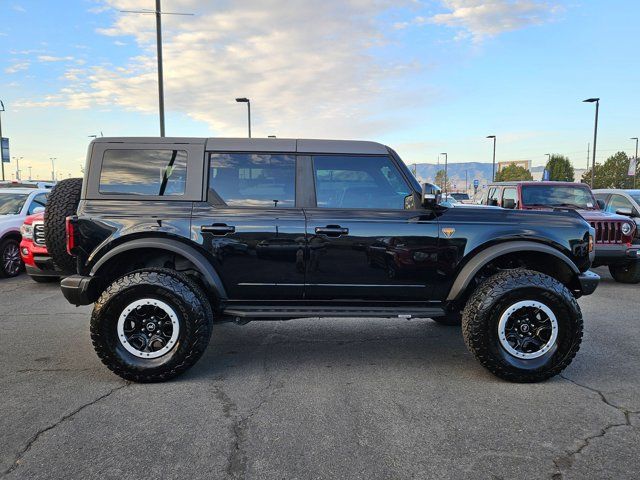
439	181
613	174
560	168
513	172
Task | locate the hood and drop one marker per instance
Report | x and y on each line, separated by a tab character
36	217
600	216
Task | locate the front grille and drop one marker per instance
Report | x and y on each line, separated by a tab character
38	234
608	232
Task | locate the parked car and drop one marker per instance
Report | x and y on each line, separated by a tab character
143	248
614	234
33	250
15	204
462	197
622	202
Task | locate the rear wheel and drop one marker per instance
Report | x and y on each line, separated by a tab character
10	262
63	202
151	325
523	326
628	273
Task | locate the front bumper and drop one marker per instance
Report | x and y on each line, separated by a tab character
616	254
588	282
80	290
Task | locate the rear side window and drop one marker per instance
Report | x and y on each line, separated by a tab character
359	182
253	179
510	194
144	172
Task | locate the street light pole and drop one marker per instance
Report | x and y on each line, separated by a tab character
17	159
53	168
248	102
493	168
1	159
595	137
635	171
445	171
30	177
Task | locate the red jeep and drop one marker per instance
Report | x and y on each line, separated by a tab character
34	251
614	233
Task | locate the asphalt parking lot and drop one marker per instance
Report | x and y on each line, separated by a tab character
350	398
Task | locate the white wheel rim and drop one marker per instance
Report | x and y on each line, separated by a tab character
504	332
125	339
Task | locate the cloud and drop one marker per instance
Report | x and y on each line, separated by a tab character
479	19
18	8
17	67
308	67
49	58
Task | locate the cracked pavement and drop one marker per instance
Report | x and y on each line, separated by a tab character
348	398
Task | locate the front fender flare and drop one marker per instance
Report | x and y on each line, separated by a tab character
211	277
474	265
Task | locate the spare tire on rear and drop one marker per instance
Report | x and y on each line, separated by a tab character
63	202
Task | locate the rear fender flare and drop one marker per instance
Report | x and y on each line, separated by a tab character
211	277
485	256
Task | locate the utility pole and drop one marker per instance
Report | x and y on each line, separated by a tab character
158	13
635	172
595	137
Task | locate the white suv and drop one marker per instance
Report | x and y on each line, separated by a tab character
15	205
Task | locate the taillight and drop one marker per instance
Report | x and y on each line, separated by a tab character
71	238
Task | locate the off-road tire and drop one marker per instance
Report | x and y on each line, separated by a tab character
43	279
62	203
451	319
177	290
14	245
628	273
493	297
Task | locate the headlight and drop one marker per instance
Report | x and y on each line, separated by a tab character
626	228
27	231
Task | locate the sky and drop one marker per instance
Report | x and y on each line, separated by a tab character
422	76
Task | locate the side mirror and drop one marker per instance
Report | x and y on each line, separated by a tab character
627	212
38	210
600	204
431	195
508	203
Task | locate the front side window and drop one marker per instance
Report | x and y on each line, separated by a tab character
359	182
39	200
253	179
617	202
144	172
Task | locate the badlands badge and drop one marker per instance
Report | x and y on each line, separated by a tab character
448	231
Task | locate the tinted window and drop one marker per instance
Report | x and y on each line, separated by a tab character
510	194
39	200
358	182
557	196
252	179
617	202
11	203
144	172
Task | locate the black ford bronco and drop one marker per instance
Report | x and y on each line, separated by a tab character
169	235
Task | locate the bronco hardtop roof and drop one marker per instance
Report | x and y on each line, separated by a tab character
299	145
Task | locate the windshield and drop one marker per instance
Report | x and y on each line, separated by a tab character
460	196
558	196
635	196
11	203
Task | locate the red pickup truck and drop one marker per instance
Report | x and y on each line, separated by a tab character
34	252
614	234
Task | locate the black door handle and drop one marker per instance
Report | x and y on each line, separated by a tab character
218	229
332	231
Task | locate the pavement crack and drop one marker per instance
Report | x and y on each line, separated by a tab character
565	462
62	419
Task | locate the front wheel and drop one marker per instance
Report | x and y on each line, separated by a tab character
627	273
10	262
522	325
151	325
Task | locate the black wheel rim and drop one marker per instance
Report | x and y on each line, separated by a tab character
11	261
